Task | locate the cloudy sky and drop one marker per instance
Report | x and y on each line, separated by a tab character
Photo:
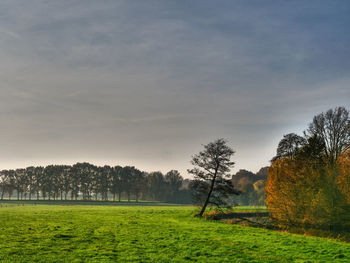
146	83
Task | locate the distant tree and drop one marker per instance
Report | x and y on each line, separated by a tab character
4	182
38	180
117	186
20	183
252	186
126	180
157	186
174	181
12	185
75	181
333	128
138	183
211	170
262	173
48	184
30	175
103	179
85	172
66	180
243	177
259	188
248	195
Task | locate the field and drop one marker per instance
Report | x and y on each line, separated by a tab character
97	233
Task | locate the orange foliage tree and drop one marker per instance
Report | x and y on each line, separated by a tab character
343	180
309	179
302	193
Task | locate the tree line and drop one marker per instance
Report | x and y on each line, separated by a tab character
85	181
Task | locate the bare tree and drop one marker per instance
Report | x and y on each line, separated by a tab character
211	168
333	127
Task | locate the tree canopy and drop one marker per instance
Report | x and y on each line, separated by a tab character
212	184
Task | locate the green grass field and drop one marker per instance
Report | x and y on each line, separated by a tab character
87	233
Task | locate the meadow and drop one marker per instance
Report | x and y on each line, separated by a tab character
149	233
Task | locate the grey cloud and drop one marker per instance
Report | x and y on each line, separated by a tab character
146	83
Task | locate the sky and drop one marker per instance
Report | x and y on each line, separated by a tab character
148	83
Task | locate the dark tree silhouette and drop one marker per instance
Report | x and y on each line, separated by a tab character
126	180
333	127
117	186
84	181
138	183
4	182
212	184
174	181
156	185
289	146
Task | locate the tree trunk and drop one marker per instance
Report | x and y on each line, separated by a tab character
119	196
209	194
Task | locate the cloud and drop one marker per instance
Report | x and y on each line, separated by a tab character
148	82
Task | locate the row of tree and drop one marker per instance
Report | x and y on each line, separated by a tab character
86	181
308	182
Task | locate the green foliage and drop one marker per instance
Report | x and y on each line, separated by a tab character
147	234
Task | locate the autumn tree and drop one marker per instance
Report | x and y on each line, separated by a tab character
212	184
310	187
343	181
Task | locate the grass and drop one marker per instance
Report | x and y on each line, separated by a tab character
86	233
4	203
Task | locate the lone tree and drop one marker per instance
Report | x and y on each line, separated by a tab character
211	168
